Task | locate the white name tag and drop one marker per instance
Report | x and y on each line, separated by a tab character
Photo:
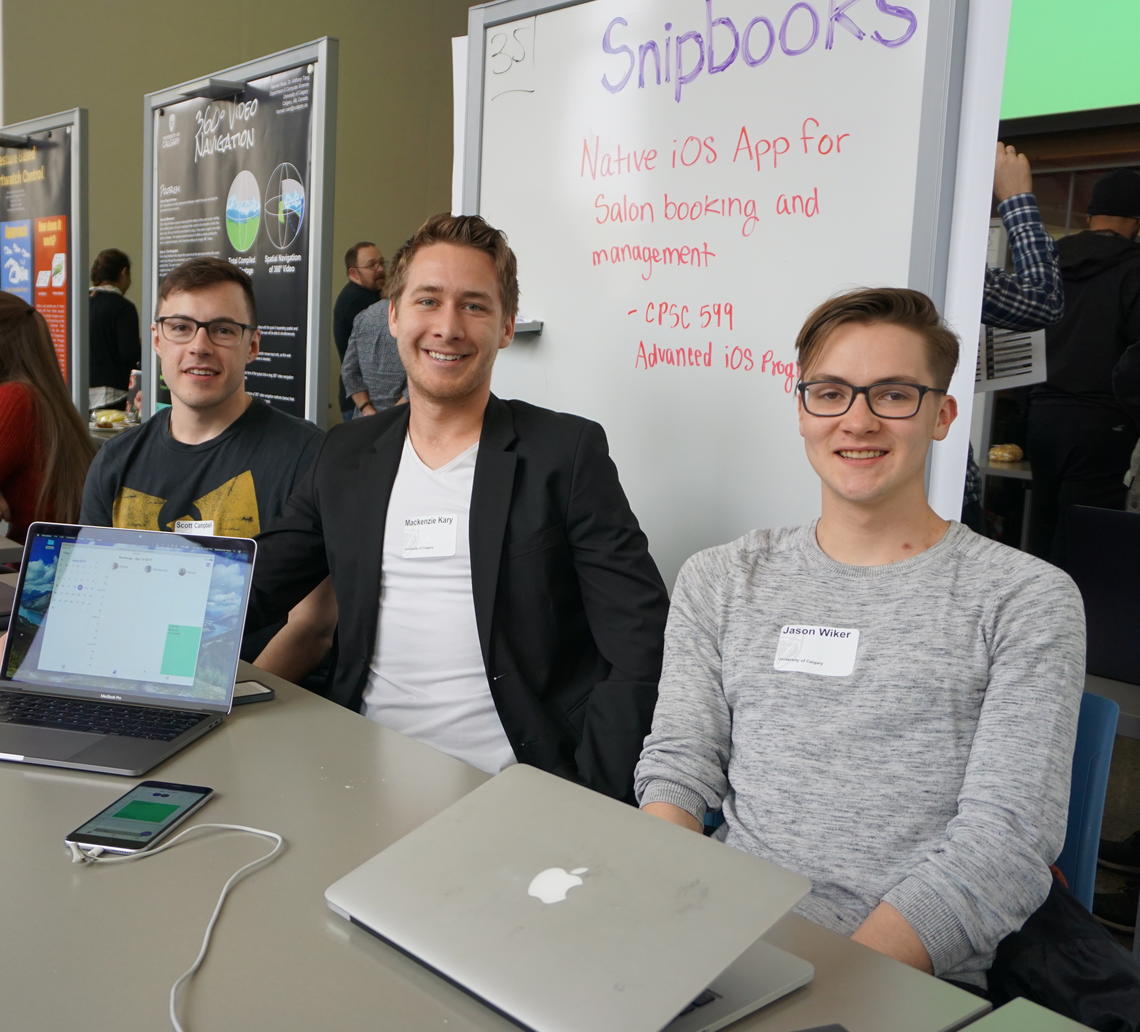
193	526
829	651
429	537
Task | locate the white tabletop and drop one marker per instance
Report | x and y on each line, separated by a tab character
98	947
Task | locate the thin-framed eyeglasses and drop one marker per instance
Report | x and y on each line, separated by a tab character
887	399
376	263
181	329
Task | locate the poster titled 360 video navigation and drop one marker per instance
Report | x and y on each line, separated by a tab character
35	212
232	183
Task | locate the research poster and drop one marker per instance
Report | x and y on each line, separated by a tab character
232	182
35	212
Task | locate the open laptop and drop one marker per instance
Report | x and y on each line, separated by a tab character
123	645
565	910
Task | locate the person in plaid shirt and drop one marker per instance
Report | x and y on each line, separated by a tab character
1030	297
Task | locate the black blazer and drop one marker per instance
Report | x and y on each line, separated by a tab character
569	605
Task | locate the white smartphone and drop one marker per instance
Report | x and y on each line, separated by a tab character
141	817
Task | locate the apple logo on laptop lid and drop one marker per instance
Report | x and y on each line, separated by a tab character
551	885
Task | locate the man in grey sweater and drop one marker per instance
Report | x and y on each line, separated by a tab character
882	700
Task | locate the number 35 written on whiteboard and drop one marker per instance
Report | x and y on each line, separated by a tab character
510	58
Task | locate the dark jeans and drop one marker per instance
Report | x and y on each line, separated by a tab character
1078	456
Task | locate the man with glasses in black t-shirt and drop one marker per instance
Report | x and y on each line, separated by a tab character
217	461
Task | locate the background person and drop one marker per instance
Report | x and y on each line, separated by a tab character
1080	437
1030	297
373	374
44	446
364	267
116	346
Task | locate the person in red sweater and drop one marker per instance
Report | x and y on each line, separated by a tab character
44	446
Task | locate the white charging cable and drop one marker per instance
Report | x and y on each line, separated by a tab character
97	856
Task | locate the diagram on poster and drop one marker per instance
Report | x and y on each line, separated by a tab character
285	207
243	211
16	254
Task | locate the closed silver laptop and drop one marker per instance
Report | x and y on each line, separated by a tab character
566	910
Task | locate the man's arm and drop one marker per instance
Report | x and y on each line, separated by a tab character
1033	295
887	931
991	870
291	559
625	603
682	771
295	650
354	385
674	815
98	492
363	405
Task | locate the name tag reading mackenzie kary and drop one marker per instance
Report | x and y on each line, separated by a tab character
429	537
829	651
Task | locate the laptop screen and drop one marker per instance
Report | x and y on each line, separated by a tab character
130	615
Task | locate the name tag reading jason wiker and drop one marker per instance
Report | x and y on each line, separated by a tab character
429	537
829	651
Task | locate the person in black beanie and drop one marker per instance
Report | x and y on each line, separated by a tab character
1080	437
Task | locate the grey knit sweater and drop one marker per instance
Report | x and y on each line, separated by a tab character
923	760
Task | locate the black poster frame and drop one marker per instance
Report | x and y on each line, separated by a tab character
223	91
20	138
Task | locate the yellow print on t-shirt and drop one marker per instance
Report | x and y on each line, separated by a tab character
232	507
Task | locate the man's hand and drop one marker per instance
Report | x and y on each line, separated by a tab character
363	403
887	931
5	510
673	814
1012	174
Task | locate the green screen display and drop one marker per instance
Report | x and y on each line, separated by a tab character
180	654
140	810
1071	57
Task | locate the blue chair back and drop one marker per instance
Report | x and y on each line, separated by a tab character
1096	729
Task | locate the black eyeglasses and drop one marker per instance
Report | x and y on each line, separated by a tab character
181	329
376	263
887	400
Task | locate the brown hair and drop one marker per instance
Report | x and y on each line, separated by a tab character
109	265
65	449
897	306
353	253
198	273
466	231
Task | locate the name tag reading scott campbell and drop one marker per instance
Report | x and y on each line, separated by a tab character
429	537
193	526
829	651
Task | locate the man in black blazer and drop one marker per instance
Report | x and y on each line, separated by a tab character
496	595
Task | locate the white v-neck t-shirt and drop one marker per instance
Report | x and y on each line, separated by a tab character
426	676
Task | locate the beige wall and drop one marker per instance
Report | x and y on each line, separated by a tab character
393	151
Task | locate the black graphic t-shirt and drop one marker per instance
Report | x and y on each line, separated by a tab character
234	485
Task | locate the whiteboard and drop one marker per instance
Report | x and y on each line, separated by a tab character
683	181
